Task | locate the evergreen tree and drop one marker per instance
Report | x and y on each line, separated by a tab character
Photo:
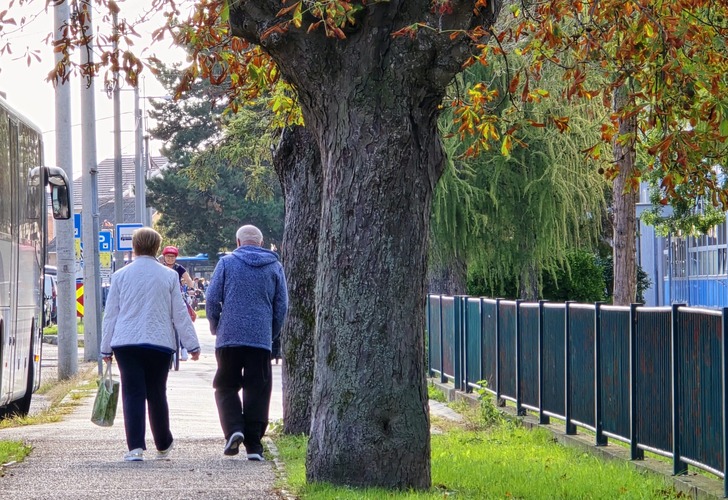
220	175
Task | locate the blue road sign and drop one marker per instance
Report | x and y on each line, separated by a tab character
76	225
105	241
124	233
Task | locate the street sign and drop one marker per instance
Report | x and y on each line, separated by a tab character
124	233
105	241
77	226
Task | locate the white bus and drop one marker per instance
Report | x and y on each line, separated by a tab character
23	235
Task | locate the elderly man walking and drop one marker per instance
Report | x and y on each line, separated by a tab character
246	303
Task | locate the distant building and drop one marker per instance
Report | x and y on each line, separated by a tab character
105	182
683	269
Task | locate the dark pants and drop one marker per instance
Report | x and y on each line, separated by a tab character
144	374
246	368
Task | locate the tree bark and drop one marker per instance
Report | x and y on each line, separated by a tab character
298	165
448	277
371	100
624	207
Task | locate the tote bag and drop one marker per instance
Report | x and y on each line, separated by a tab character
107	398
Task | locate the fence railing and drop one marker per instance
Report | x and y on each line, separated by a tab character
653	377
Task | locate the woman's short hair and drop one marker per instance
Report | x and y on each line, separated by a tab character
146	241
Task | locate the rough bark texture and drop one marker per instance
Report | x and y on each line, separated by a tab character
298	165
448	277
371	102
528	284
624	213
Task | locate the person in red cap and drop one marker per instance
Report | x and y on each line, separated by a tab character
169	258
169	255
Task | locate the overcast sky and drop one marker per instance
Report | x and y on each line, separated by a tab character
28	92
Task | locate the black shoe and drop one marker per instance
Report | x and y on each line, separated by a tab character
255	453
233	443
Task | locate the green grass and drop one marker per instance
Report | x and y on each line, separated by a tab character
499	459
82	385
435	394
53	329
201	314
12	451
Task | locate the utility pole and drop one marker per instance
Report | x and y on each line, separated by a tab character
147	169
67	329
90	220
118	182
139	180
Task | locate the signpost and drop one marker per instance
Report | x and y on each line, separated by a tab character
105	248
78	246
124	233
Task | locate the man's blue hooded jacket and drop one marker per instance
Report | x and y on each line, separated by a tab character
247	299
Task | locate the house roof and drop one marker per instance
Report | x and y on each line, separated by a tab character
105	180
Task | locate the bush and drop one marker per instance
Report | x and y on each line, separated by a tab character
584	282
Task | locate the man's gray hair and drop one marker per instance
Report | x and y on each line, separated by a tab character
249	235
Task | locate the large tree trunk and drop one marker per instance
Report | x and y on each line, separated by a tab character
370	404
624	208
297	163
371	100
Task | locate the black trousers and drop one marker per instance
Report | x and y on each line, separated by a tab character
144	374
246	368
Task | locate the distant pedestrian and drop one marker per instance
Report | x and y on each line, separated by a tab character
169	259
246	303
143	309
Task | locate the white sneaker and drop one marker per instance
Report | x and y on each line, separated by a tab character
183	354
135	455
165	453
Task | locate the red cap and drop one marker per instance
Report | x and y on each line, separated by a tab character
170	249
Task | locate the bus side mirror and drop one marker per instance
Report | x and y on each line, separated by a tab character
60	199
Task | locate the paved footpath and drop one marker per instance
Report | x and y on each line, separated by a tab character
75	459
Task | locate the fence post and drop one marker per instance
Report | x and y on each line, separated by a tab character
443	378
519	408
678	466
480	342
724	395
499	401
457	319
428	318
542	418
635	452
570	428
465	344
601	439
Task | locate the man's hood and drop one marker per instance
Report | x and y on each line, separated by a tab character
255	256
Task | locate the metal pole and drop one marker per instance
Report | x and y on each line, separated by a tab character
65	244
118	184
139	181
90	221
147	160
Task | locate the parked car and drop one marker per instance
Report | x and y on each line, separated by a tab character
50	293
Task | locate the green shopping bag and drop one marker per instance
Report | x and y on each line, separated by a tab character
107	398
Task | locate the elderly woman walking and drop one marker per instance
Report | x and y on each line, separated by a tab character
143	310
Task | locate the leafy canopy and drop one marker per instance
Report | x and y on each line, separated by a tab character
671	56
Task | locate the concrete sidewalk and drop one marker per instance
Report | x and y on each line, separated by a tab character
75	459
